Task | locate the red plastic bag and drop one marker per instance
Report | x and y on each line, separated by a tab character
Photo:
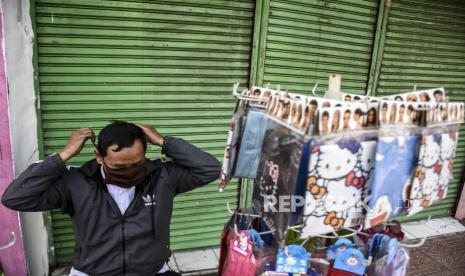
240	260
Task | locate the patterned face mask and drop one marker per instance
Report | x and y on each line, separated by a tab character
232	146
433	171
437	152
277	175
448	150
338	175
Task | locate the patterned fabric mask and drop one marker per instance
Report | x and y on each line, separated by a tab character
277	175
338	174
232	147
433	171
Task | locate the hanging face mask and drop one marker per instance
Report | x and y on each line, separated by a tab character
396	156
339	171
437	152
278	166
126	177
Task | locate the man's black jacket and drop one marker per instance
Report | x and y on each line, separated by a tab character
108	242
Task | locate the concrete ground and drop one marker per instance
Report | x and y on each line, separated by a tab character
442	254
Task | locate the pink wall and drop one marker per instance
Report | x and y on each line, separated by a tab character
13	258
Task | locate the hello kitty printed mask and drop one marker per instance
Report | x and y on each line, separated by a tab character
434	169
334	187
427	173
278	167
341	161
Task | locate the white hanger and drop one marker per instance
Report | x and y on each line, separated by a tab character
407	245
241	95
320	260
250	215
314	90
295	227
415	245
241	214
422	241
335	234
370	260
236	231
237	94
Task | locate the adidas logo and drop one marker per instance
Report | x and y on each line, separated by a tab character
149	200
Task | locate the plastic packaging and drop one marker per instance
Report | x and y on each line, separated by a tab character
437	152
240	260
396	156
279	164
293	259
252	139
340	168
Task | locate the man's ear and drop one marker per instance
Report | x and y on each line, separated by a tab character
98	157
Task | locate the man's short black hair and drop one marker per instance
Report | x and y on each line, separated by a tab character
122	134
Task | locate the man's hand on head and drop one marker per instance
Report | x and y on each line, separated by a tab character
153	136
76	142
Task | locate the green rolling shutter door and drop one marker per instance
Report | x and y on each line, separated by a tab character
307	40
425	45
168	63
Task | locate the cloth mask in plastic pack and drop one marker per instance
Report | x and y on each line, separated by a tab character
395	160
251	145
